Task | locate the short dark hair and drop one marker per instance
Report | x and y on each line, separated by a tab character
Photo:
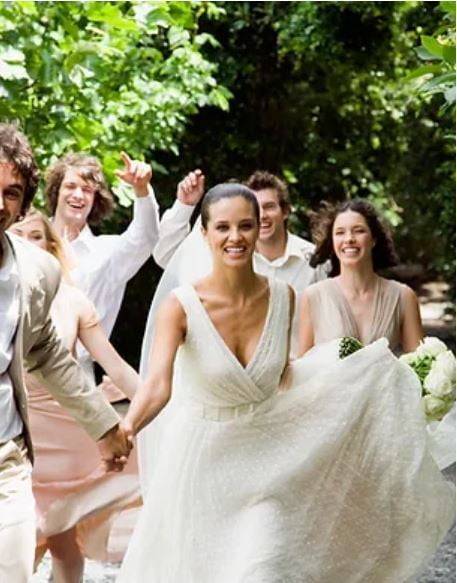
227	190
90	169
383	254
15	149
261	179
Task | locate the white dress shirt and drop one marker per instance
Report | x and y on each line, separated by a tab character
292	267
105	263
10	420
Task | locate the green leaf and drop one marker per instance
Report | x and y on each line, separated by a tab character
12	55
449	95
432	45
177	36
124	193
421	71
8	71
425	55
449	55
219	99
445	80
27	7
111	15
448	7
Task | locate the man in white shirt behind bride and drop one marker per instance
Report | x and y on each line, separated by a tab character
279	253
78	195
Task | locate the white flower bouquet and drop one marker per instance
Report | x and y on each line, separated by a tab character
434	364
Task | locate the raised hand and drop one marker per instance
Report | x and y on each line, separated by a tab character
191	188
137	174
115	447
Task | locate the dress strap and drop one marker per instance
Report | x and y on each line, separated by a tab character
186	297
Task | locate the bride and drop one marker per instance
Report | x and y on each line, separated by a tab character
330	481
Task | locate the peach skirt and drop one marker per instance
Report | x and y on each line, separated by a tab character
73	490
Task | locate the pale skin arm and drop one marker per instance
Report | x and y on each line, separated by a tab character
103	352
306	329
155	392
411	326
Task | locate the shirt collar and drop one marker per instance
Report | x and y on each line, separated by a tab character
85	236
295	246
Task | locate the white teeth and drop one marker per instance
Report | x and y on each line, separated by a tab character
235	249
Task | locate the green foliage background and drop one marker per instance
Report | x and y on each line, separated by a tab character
340	98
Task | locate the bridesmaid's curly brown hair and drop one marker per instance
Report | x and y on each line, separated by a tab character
384	254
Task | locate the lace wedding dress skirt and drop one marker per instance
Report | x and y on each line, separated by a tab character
329	482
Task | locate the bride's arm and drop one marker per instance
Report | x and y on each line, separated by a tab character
305	329
155	392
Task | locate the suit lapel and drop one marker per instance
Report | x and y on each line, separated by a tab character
16	369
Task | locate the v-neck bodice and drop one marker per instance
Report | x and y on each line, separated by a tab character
333	317
213	374
219	338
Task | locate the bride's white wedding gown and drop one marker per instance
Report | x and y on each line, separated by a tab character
329	482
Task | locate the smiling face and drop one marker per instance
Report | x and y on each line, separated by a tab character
75	200
31	229
232	231
12	188
353	241
272	215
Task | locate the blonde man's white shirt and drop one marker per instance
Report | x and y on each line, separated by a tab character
104	264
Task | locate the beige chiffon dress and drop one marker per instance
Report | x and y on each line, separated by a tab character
69	482
332	316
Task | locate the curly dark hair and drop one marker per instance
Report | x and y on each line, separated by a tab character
15	149
90	169
383	254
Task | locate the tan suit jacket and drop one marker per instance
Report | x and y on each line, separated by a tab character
38	349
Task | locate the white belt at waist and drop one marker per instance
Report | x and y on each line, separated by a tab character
213	413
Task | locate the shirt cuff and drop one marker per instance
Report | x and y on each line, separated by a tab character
182	211
146	200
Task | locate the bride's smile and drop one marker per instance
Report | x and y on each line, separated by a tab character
232	231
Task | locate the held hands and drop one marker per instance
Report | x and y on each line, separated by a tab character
191	188
115	447
137	174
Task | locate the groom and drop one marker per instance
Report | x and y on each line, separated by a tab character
29	279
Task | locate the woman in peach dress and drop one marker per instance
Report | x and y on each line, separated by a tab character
355	300
82	510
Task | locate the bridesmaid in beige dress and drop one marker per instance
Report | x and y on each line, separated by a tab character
82	510
355	300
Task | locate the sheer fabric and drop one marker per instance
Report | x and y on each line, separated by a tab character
330	481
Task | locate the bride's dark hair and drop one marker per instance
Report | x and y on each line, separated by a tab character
384	254
227	190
